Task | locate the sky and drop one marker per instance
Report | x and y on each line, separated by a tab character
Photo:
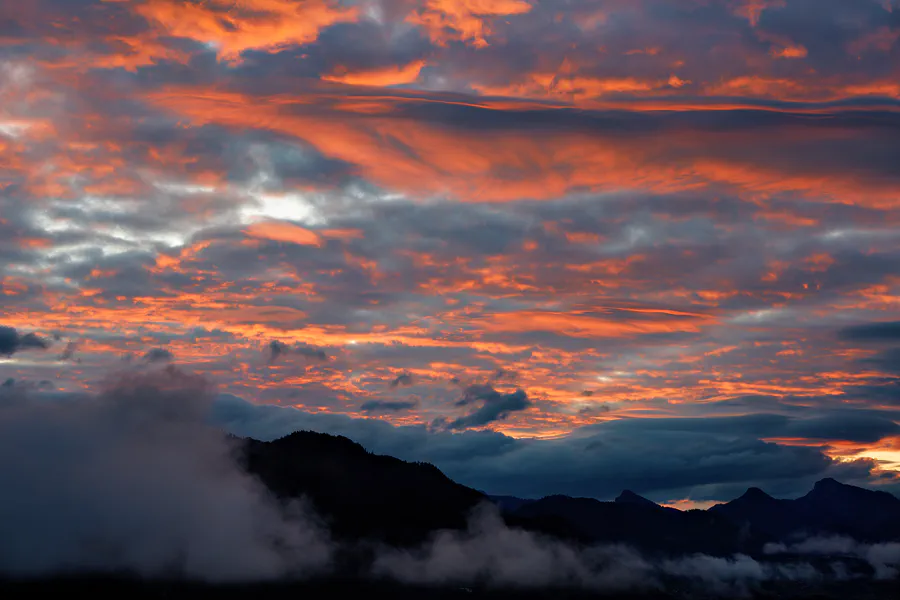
552	246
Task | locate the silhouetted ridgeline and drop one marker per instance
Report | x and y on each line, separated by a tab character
831	508
405	530
381	497
361	494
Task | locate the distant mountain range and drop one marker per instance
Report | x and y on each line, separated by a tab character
363	495
380	507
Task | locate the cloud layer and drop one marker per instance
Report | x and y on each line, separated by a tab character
133	479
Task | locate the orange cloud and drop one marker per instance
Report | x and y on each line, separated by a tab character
752	9
280	231
464	20
394	75
514	164
788	52
234	26
567	82
573	324
129	53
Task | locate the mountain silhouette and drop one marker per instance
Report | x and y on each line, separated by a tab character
629	497
645	525
361	495
831	508
764	514
367	496
364	497
862	514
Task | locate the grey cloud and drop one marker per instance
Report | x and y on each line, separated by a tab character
852	425
402	380
889	362
386	407
158	355
884	558
275	349
69	350
126	479
495	406
888	331
490	554
13	386
11	341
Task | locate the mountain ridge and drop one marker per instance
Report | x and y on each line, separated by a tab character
366	495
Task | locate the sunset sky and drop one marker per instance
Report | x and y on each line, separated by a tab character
549	245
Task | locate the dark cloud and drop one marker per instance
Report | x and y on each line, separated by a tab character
158	355
382	407
402	380
495	406
888	361
594	410
834	425
275	349
888	331
12	386
11	341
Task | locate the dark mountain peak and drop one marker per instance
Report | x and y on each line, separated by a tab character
629	497
360	494
829	484
314	439
865	515
830	490
754	494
